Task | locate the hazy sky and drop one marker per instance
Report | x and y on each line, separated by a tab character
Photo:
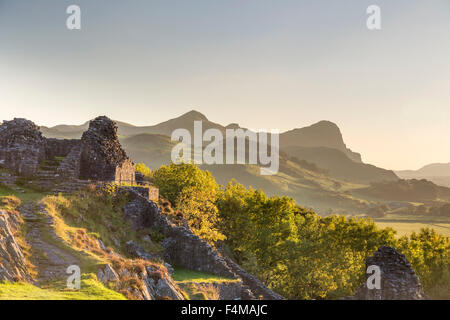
275	64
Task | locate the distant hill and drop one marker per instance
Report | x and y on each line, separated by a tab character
166	128
151	149
431	170
439	173
407	190
322	134
340	166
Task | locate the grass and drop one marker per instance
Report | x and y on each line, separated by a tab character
185	275
27	195
198	291
405	225
82	218
103	219
90	289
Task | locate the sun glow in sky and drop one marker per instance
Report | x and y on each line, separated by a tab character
277	64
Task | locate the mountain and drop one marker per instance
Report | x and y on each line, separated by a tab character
316	167
340	166
151	149
407	190
431	170
322	134
166	128
438	173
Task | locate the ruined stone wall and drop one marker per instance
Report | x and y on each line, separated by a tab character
149	192
398	280
125	173
183	248
102	157
69	169
60	148
22	146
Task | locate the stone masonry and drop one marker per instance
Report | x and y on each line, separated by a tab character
398	279
102	157
22	146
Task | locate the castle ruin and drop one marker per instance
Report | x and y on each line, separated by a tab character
97	156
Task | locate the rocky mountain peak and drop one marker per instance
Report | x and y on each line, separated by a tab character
194	115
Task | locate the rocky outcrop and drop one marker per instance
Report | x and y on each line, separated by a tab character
108	274
13	264
102	157
157	283
22	146
181	246
184	249
398	280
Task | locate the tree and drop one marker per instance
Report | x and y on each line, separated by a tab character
194	192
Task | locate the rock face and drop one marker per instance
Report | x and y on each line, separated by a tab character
107	275
13	265
22	146
102	157
398	279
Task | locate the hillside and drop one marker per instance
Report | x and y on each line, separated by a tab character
303	181
408	190
439	173
124	129
322	134
184	236
151	149
340	166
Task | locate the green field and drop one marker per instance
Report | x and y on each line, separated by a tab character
405	225
185	275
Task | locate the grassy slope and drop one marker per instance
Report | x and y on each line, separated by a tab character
185	275
90	289
28	195
197	285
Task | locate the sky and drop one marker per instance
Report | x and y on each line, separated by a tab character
272	64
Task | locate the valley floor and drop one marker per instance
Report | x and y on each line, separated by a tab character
405	225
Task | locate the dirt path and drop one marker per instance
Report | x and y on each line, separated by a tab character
50	260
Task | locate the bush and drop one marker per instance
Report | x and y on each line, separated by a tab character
194	192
